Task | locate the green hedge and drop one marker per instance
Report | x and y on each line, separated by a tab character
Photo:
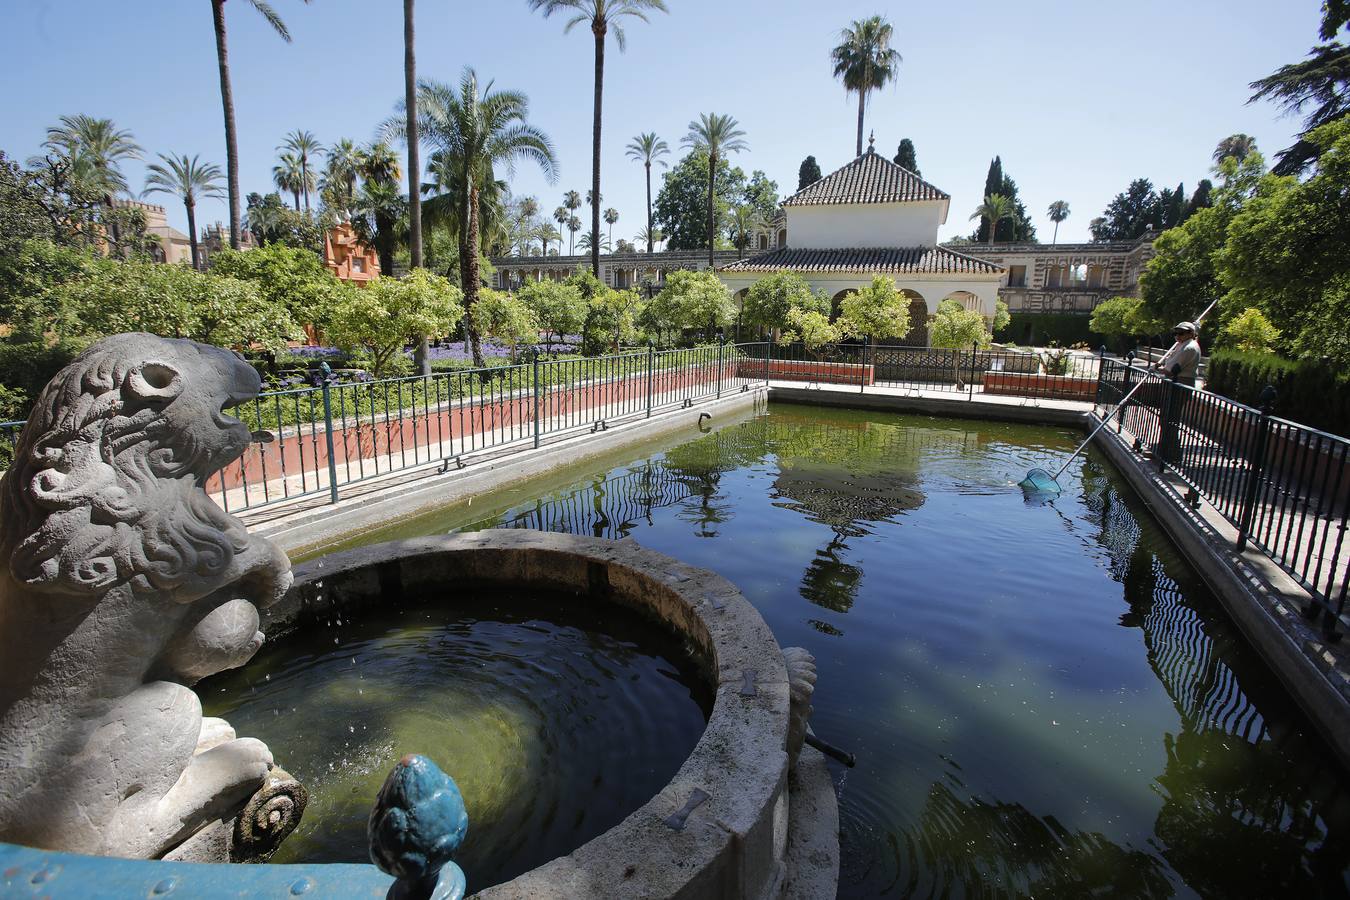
29	366
1310	393
1041	329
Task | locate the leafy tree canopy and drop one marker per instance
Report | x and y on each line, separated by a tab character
1017	228
559	307
812	328
957	328
1285	252
611	320
1251	332
293	279
681	207
506	318
391	313
690	300
877	310
769	300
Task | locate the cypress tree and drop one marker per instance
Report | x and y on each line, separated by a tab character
808	173
904	156
993	184
1200	199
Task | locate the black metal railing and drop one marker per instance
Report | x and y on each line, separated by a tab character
1285	487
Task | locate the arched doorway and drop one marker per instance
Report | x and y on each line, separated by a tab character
836	303
918	320
782	238
738	298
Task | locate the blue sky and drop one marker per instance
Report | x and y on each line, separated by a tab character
1077	96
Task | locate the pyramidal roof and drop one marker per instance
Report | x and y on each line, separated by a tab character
871	178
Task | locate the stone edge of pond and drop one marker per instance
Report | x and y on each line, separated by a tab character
734	843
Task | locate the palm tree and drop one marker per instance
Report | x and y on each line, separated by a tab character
286	175
745	220
188	178
227	99
572	202
345	159
611	216
1058	211
586	243
994	209
302	145
1236	145
601	15
717	135
649	236
476	130
865	61
573	225
561	215
548	233
380	210
647	148
95	148
379	162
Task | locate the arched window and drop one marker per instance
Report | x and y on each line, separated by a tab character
782	238
764	242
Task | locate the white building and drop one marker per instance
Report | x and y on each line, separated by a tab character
872	217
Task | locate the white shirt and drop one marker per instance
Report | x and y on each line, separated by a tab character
1185	353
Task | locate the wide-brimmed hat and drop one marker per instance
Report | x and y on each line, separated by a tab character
1186	326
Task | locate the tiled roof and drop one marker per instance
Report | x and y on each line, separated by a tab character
871	178
899	260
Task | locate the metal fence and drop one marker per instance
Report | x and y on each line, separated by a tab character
1050	375
340	434
1284	487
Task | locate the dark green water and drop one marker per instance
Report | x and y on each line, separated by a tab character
556	718
1044	700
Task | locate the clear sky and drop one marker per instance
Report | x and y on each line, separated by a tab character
1077	96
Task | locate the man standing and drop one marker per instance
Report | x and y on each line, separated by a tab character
1184	359
1185	353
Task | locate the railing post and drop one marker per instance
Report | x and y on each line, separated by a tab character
651	364
768	359
721	343
970	385
538	397
1101	372
328	435
1124	390
1165	424
1255	467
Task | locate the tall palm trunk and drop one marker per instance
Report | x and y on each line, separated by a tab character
192	232
862	102
649	207
712	171
423	355
599	32
993	226
304	179
227	101
297	200
468	265
1055	240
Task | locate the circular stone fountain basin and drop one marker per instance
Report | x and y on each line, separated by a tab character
426	613
557	716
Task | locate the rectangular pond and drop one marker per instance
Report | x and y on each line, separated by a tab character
1044	700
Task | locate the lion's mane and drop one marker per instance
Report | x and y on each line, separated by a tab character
106	485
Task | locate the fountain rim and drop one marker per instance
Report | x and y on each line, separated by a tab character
722	815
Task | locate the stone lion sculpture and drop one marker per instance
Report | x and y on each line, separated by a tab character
121	582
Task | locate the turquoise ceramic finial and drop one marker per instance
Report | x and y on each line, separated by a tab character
417	824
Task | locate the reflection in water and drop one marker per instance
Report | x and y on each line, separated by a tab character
518	696
1044	701
988	848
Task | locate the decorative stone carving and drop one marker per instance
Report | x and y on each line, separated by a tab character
417	824
801	671
269	816
121	583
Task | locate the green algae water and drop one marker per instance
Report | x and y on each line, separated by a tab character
1044	699
556	718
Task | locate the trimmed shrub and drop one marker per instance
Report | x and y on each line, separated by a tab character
1310	392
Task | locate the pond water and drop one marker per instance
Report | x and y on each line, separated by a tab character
556	718
1043	700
